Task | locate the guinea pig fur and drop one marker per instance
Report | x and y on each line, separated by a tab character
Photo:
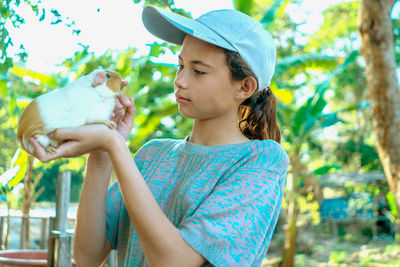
89	99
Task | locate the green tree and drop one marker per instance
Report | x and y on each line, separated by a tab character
311	80
377	47
151	84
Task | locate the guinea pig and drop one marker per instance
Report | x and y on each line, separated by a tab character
87	100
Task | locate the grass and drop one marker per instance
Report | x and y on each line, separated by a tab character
326	250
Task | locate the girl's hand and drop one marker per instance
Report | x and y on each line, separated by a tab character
76	141
124	118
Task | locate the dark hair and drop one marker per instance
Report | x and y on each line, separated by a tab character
257	115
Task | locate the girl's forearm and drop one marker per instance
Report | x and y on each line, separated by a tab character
90	243
160	239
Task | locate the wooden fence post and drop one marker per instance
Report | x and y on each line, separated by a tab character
44	232
62	200
50	243
23	242
59	254
1	232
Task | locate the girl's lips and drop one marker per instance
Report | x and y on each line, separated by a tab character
180	99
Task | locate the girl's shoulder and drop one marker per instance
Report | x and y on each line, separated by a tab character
267	154
158	146
160	143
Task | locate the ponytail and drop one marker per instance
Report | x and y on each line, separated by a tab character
257	115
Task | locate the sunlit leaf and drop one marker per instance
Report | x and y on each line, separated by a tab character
294	61
244	6
275	8
73	164
326	169
20	159
3	88
43	78
8	175
392	204
284	96
330	119
23	102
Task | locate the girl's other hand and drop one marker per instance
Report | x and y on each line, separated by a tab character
123	115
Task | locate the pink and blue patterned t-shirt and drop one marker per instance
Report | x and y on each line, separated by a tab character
224	200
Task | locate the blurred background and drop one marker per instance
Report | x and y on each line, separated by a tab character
341	202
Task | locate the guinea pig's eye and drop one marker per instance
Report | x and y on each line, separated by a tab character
108	75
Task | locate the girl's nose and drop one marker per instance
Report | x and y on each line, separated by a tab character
180	80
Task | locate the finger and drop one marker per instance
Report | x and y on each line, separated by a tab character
39	151
69	149
129	112
117	117
124	100
118	104
65	150
63	134
121	103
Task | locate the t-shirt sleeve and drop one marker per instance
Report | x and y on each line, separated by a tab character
113	208
235	222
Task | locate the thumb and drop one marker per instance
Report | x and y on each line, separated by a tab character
62	134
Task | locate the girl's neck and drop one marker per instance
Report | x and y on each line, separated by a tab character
216	132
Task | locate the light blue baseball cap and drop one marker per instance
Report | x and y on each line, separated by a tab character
226	28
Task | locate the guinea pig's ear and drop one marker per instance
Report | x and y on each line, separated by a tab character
99	78
123	84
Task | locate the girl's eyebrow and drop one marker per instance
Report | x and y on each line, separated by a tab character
197	62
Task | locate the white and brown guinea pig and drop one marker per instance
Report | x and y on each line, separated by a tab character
88	99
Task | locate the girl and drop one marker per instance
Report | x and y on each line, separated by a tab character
210	199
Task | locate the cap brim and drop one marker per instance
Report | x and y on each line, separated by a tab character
173	28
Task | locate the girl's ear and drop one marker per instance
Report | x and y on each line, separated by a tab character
248	87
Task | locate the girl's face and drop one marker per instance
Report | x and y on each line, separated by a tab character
204	89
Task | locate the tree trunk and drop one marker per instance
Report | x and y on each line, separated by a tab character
289	252
292	194
26	204
375	28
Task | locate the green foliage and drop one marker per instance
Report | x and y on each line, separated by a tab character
10	17
19	164
356	149
300	121
392	204
326	169
160	3
396	36
49	181
338	257
343	33
244	6
309	210
275	10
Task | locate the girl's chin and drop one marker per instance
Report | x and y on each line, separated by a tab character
185	113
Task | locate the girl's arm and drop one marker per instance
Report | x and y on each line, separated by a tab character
91	245
161	241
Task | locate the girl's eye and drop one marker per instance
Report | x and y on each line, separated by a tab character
199	72
180	66
108	75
